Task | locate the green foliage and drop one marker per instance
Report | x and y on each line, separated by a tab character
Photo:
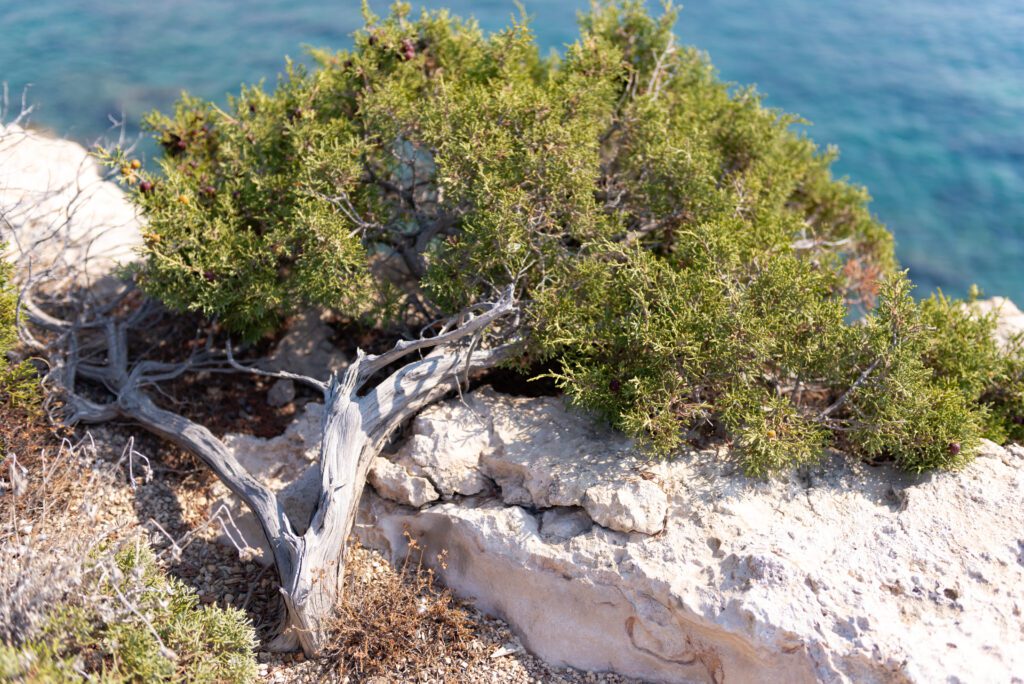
165	636
653	345
903	408
1004	396
683	253
37	663
963	354
18	391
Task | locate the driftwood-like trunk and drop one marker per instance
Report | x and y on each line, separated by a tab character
361	410
354	431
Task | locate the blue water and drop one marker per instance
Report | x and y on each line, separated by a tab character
925	98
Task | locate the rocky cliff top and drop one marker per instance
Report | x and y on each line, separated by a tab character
686	570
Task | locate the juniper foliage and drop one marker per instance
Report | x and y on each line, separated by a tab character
684	255
18	391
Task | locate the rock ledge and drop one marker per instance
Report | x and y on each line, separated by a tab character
837	573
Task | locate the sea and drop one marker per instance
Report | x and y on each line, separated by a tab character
924	98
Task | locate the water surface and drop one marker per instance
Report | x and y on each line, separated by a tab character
925	98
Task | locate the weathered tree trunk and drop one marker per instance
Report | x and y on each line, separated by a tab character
314	588
354	431
358	419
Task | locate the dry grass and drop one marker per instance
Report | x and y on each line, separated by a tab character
34	470
402	625
46	535
38	482
81	593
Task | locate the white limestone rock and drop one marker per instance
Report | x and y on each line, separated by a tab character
446	443
635	506
560	524
279	460
836	573
393	481
544	455
58	214
1009	319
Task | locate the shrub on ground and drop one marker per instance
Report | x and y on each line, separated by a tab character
23	430
683	254
18	391
112	615
130	622
963	354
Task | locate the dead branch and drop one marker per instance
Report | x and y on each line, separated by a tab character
359	417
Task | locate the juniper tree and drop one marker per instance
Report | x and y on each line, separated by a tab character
678	254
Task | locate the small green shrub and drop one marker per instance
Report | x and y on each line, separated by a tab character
163	636
18	391
684	256
1004	396
963	354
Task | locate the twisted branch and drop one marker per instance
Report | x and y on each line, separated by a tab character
356	425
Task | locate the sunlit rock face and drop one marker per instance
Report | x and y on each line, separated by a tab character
685	570
1009	319
58	214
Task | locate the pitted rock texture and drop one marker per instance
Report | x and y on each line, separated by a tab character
835	573
396	483
446	448
537	453
633	506
58	213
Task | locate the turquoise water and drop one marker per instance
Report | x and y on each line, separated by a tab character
925	98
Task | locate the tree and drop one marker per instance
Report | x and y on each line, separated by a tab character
678	254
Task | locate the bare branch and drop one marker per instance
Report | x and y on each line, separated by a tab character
284	375
93	345
373	363
838	403
655	82
200	441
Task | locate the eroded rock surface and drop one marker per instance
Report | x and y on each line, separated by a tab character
393	481
446	447
633	506
836	573
537	454
841	572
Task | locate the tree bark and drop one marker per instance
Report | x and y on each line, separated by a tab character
357	422
355	429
